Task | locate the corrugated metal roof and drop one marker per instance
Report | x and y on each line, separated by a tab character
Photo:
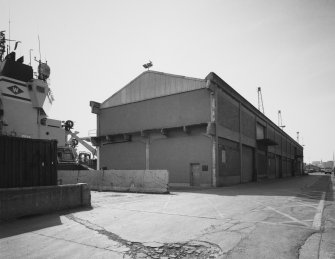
152	84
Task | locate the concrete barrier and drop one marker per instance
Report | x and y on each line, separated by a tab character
146	181
71	177
90	177
18	202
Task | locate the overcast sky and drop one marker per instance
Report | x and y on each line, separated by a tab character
94	48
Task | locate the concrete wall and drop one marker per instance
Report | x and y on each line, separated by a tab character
176	154
248	123
147	181
18	202
228	112
124	156
169	111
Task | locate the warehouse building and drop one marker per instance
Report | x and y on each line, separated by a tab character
201	130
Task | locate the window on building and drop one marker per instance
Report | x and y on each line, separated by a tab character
260	131
223	156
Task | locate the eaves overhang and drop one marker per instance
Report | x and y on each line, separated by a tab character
95	107
126	137
267	142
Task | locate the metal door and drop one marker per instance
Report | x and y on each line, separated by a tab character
271	166
247	164
195	174
278	163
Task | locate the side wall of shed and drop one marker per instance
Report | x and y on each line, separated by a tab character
182	142
186	108
175	153
241	157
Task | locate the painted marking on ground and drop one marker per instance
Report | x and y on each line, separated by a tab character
170	214
319	210
295	205
305	220
312	205
167	203
215	208
288	216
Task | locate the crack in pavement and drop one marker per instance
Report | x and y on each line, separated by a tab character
72	241
191	249
230	251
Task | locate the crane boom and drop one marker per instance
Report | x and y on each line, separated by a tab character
280	121
260	100
74	135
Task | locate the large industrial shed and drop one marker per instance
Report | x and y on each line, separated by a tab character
201	130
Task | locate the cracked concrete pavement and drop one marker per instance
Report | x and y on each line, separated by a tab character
321	244
271	219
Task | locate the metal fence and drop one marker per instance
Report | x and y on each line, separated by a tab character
27	162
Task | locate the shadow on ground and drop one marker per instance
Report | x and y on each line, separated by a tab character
34	222
314	185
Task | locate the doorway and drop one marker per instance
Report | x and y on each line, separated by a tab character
195	174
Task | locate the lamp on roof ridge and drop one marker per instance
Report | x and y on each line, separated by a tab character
148	65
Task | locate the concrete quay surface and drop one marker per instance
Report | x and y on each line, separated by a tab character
272	219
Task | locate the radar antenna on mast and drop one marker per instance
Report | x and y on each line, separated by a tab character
3	44
43	68
260	100
9	31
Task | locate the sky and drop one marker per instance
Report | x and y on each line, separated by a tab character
94	48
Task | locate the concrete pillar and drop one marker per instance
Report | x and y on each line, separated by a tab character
98	157
214	154
240	140
267	152
147	153
214	137
99	143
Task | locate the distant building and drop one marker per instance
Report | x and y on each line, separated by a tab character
317	163
328	164
201	130
312	167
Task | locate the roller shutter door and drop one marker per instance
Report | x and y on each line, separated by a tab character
247	164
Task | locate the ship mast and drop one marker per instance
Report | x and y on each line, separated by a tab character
9	32
2	44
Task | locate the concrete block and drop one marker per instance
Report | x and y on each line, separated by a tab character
85	195
18	202
149	181
91	177
67	177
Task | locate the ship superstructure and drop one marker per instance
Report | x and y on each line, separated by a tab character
25	101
